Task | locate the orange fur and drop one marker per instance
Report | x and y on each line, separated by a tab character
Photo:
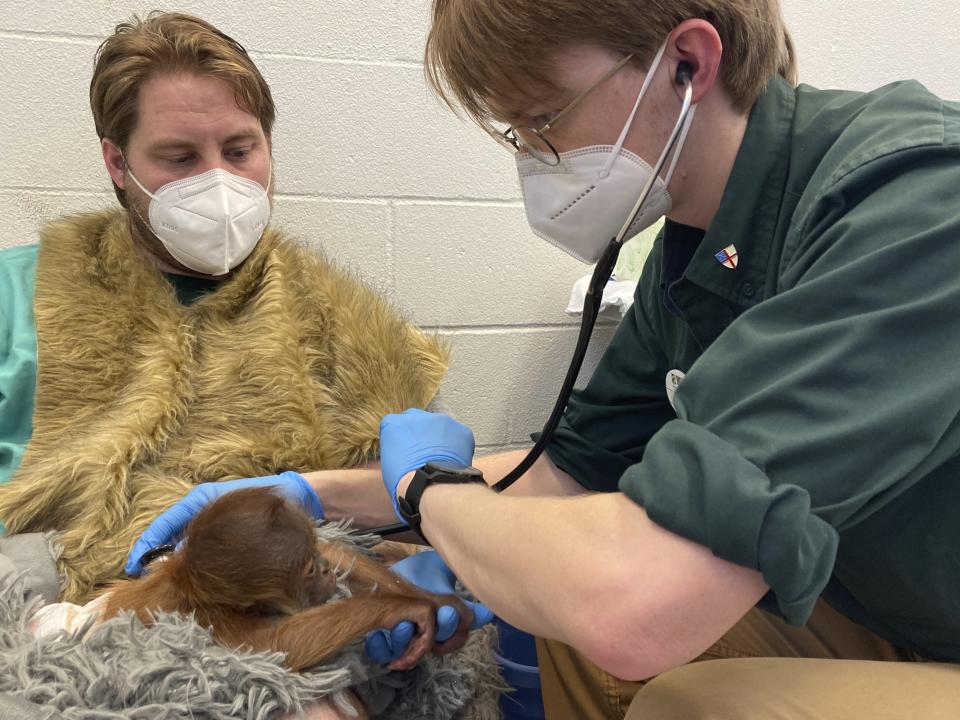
253	571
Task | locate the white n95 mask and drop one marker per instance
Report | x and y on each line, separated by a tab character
580	204
211	222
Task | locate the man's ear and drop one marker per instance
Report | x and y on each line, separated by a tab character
696	43
113	159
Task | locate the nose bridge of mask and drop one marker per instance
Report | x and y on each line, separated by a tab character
196	184
208	197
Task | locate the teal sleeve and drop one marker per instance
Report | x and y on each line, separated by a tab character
607	424
824	403
18	354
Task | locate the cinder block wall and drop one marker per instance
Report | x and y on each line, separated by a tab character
378	173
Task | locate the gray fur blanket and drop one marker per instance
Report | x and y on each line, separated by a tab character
174	669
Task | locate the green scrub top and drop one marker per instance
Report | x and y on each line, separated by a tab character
18	355
18	347
816	435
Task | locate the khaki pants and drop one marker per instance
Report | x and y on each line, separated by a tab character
831	669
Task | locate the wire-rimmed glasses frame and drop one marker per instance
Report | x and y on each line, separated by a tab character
547	153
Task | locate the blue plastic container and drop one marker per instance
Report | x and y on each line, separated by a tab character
518	662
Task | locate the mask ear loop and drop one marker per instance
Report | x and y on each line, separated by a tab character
146	224
654	66
134	177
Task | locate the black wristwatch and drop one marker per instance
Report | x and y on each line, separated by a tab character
433	473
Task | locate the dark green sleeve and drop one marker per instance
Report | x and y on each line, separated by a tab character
825	402
607	424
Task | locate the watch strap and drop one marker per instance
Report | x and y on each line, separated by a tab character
424	477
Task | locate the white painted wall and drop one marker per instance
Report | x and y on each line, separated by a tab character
378	173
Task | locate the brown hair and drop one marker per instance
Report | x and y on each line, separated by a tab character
168	43
482	49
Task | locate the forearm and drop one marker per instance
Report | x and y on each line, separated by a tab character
591	571
543	479
358	493
478	534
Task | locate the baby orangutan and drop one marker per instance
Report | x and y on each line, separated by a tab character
254	572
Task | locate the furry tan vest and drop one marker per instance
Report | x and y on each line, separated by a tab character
289	364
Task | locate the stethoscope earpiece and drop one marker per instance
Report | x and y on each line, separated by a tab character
684	73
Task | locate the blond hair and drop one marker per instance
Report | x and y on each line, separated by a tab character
483	49
168	43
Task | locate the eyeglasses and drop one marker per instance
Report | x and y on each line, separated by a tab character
533	141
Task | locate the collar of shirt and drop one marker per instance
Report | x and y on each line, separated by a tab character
189	289
747	219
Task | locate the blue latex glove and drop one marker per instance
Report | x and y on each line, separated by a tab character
410	440
427	571
171	523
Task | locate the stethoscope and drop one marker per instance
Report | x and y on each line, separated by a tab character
591	305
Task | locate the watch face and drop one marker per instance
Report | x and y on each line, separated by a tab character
452	469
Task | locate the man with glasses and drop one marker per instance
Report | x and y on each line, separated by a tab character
763	466
766	452
761	474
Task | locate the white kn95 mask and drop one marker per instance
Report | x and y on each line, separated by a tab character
580	204
210	222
